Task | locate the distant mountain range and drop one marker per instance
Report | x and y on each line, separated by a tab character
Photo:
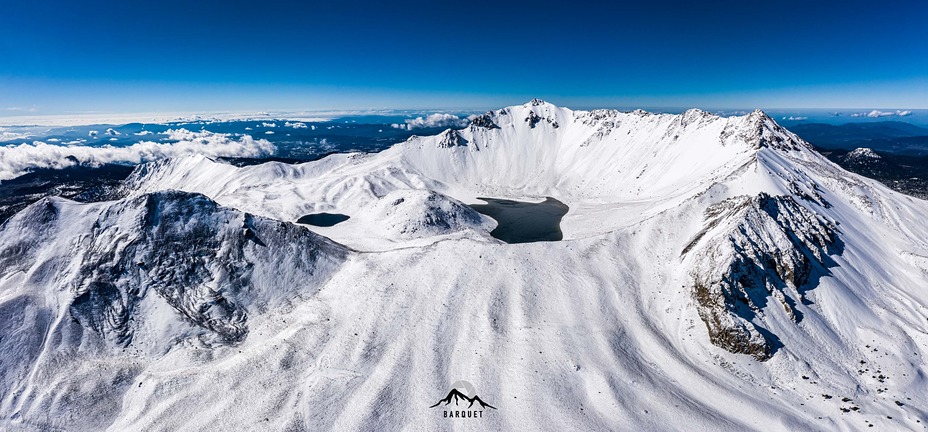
895	153
888	136
903	173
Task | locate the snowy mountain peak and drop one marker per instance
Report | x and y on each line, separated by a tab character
863	153
451	138
537	150
696	113
537	111
761	131
864	158
536	102
759	113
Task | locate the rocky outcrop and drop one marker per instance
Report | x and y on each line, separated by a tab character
451	138
205	261
751	250
763	132
533	119
484	121
537	105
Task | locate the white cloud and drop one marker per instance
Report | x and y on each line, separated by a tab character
19	159
296	125
92	133
26	117
269	125
433	121
111	131
878	114
269	133
731	113
795	118
7	135
143	133
21	109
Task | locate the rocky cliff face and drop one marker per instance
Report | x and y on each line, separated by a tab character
752	250
484	121
207	262
451	138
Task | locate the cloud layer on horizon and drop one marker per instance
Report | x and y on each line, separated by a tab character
16	160
434	121
878	114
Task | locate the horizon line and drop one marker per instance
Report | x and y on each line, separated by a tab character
34	119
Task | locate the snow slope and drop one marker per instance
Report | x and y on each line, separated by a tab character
716	274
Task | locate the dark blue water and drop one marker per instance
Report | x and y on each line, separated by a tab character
323	219
524	222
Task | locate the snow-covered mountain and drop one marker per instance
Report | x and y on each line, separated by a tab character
863	158
715	273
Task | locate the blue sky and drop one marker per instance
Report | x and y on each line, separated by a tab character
61	56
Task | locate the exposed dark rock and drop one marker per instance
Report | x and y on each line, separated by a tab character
765	132
808	192
79	182
101	308
758	248
484	121
180	246
451	138
536	102
533	119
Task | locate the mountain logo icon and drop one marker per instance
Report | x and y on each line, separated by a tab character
463	392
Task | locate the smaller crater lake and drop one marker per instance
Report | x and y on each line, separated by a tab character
323	219
524	222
